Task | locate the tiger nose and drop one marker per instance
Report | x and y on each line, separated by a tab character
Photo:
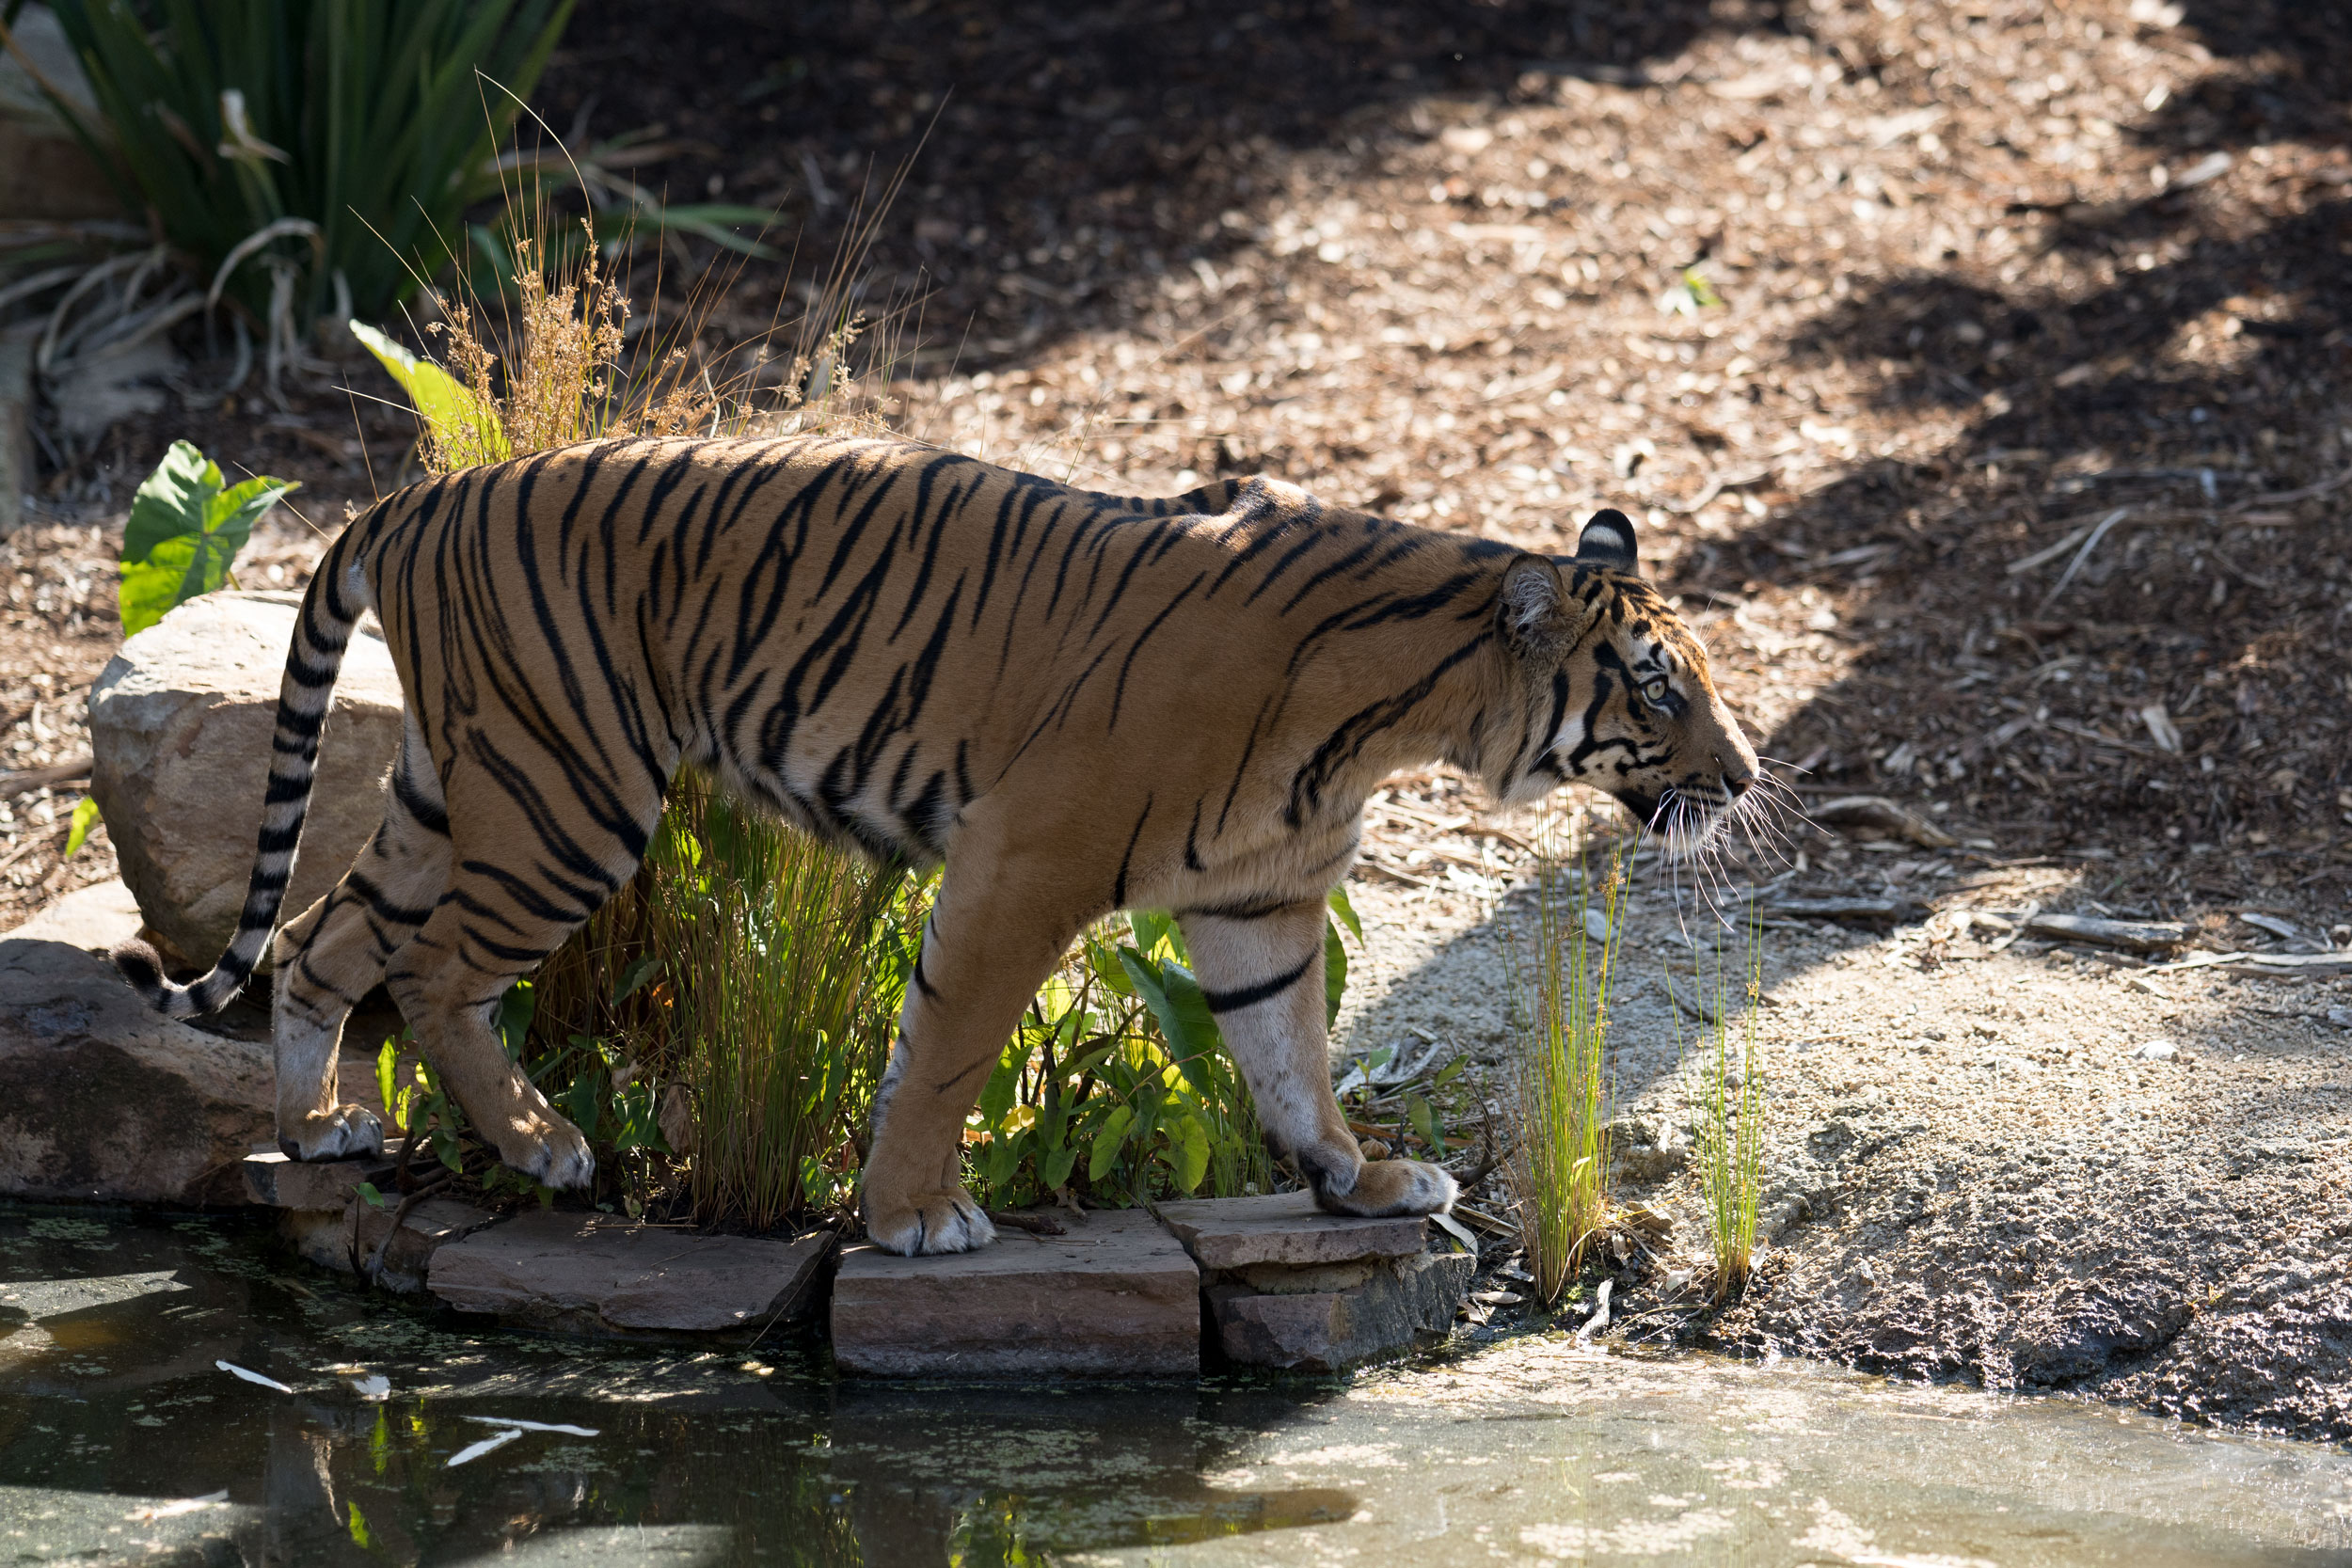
1739	783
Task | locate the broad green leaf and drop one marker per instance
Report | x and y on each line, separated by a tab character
184	532
457	418
1334	974
1425	1120
1182	1013
1192	1152
1337	898
1057	1167
1151	928
1107	1141
636	975
1449	1072
1103	960
370	1195
84	818
716	222
514	1010
1003	1085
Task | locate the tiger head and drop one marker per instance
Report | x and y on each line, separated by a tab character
1620	697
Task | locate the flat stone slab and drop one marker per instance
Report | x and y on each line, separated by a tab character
1404	1301
1285	1228
1116	1296
275	1182
598	1273
333	1238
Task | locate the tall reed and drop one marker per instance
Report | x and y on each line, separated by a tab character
1560	961
1732	1115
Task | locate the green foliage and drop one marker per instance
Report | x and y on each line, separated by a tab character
1560	1031
784	962
1118	1084
84	818
184	531
1731	1105
297	148
456	416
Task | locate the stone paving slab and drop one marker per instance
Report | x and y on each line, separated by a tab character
1404	1300
329	1239
275	1182
598	1273
1285	1228
1116	1296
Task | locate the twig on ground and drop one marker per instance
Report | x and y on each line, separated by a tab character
1035	1224
24	781
373	1273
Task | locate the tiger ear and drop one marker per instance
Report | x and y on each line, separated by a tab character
1607	542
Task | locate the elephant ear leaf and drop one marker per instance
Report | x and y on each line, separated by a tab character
184	531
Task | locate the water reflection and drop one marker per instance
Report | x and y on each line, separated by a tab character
110	1390
121	1440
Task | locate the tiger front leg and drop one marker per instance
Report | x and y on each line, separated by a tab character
1263	975
983	957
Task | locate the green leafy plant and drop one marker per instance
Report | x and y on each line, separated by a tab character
1118	1085
1561	963
1729	1147
311	157
184	531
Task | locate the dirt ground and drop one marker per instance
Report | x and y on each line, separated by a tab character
1977	377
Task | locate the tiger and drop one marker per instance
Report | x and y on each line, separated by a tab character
1073	703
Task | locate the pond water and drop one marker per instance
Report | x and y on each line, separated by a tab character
122	1440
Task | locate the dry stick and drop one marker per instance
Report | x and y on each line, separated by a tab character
400	1215
27	780
2082	555
1035	1224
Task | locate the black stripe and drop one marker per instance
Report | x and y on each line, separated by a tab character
1118	887
1253	909
1250	996
428	812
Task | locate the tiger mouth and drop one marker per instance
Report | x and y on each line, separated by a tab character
1690	810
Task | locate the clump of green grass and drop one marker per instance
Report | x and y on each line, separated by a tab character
785	963
1561	962
1732	1112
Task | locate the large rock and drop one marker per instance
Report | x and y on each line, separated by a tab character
1400	1303
1293	1287
596	1274
181	723
1113	1297
102	1098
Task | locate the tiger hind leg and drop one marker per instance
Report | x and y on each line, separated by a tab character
522	879
337	950
1263	975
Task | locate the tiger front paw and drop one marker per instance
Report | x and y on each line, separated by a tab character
345	1132
927	1223
1388	1187
549	1150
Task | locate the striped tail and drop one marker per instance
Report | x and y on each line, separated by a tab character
337	598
